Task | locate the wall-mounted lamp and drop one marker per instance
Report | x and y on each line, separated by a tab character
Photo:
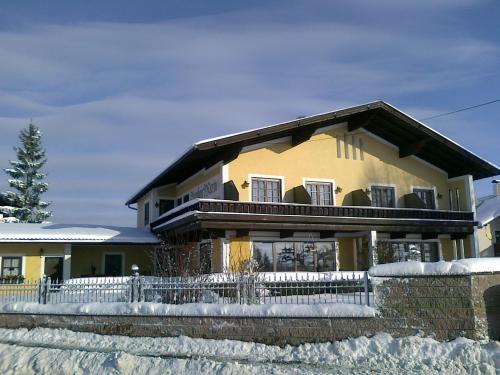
156	204
338	190
367	191
41	251
245	184
439	196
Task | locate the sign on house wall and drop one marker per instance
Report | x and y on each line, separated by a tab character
209	189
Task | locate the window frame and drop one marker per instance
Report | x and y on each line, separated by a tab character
21	265
165	199
427	188
371	186
281	188
147	214
309	180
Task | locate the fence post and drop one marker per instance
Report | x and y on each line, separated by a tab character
46	290
41	290
367	293
134	283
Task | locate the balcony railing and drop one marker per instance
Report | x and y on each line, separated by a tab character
293	209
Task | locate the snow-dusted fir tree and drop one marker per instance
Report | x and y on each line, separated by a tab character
24	203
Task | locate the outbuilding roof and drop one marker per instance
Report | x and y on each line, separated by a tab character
410	135
74	233
488	209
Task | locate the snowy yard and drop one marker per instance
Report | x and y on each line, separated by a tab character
66	352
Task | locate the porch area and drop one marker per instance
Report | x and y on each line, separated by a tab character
286	237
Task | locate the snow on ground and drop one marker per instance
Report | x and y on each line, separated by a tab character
65	352
459	267
331	310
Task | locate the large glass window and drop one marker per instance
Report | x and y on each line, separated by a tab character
263	255
266	190
393	251
426	196
295	256
320	193
11	266
383	196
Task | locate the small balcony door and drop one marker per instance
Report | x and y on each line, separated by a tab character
53	267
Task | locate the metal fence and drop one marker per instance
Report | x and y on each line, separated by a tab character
262	288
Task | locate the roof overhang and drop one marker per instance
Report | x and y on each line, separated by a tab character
410	135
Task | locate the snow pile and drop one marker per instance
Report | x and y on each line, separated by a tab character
61	351
458	267
327	310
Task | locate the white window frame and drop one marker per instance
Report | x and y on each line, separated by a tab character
268	177
23	262
433	188
103	263
305	180
381	184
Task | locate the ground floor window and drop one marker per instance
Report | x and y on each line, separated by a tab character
53	267
11	266
113	264
294	256
394	251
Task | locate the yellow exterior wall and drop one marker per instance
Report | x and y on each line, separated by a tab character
317	158
346	257
460	185
239	254
198	180
85	256
217	255
447	249
32	253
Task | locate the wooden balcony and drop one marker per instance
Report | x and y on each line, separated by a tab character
224	214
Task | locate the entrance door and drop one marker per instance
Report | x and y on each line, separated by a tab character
54	268
113	264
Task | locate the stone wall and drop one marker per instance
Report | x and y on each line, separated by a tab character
445	307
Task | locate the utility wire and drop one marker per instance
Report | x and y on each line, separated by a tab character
460	110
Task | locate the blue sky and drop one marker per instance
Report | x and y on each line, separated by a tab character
120	88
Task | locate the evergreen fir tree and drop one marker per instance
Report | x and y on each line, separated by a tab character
27	179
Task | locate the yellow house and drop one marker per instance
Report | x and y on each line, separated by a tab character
337	191
63	251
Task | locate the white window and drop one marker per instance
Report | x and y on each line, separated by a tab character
320	192
266	190
426	196
383	196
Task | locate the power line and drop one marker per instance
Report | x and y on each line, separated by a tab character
460	110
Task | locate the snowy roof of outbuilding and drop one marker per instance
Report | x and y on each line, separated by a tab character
87	233
488	209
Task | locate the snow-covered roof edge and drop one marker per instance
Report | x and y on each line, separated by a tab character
74	233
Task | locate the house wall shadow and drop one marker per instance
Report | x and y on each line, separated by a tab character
492	305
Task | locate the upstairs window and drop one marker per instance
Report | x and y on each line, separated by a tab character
426	196
146	214
320	193
166	205
266	190
383	196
